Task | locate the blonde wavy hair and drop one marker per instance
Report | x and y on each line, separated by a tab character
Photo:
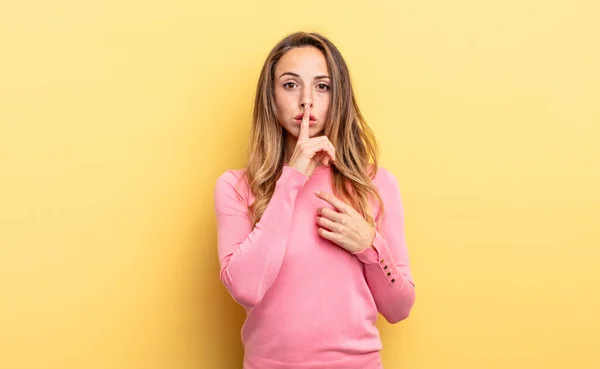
356	148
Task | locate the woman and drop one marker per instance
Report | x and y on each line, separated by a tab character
305	243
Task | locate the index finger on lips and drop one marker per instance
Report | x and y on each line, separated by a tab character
304	124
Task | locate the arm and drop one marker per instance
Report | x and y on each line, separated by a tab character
250	258
387	267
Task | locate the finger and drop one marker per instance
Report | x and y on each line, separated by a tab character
321	150
331	236
324	222
304	124
318	155
326	146
325	233
331	214
325	159
319	147
332	152
339	204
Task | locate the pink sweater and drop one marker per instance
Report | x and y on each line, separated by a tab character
309	303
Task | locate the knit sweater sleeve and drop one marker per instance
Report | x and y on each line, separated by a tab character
387	268
250	257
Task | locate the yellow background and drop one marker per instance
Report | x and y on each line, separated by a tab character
116	118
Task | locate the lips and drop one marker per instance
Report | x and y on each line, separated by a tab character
299	117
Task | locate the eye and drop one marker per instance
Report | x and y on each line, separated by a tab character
290	84
323	86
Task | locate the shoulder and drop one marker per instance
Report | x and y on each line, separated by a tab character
231	176
232	181
384	179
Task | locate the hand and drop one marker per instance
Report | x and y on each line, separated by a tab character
310	151
345	227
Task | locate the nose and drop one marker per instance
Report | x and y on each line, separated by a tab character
307	98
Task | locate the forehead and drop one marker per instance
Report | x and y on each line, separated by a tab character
306	60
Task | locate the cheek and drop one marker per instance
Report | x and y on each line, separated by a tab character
325	106
278	100
280	112
282	101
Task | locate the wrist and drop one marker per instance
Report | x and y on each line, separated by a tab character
372	239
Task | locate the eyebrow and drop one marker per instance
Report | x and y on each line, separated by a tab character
297	75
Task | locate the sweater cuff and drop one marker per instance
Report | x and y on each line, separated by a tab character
379	256
295	176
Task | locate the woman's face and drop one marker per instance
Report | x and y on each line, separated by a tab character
301	78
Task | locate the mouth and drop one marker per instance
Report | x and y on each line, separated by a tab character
299	117
311	122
